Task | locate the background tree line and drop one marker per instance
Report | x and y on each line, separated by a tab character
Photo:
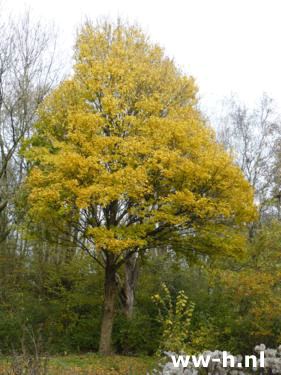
52	288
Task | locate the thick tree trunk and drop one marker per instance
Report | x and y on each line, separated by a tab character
111	289
131	275
127	293
110	293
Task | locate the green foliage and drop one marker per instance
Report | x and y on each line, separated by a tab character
129	336
59	300
206	337
175	317
236	304
244	301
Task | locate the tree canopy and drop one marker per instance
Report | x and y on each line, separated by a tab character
123	161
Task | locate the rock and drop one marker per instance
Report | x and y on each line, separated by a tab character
170	369
272	361
260	348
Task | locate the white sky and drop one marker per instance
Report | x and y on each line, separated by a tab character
227	45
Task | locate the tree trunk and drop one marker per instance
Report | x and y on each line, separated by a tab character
131	274
127	293
110	293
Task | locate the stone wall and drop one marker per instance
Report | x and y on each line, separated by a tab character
272	364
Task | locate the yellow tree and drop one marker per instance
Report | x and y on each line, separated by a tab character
123	163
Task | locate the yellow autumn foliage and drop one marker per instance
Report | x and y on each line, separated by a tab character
122	144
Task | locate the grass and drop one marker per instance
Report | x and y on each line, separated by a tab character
90	364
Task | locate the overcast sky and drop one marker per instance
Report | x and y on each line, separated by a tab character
227	45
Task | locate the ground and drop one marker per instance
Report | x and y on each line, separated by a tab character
84	364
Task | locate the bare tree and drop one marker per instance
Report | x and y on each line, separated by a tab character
27	73
250	135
